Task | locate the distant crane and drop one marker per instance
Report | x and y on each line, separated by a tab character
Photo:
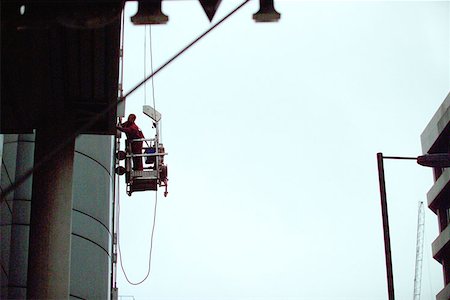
419	251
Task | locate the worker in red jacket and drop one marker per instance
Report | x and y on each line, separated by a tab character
133	132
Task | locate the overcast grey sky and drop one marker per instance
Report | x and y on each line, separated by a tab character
272	132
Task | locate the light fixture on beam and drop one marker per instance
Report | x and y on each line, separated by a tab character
434	160
266	12
149	12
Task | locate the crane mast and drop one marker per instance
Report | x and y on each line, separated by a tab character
419	251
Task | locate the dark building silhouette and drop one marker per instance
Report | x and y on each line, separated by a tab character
436	139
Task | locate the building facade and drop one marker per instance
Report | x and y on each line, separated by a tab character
91	238
436	139
59	79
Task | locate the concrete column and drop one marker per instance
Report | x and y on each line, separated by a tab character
51	211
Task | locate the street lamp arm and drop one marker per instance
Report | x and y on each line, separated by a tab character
400	157
433	160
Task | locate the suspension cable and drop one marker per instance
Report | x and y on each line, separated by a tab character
95	118
153	78
145	63
151	64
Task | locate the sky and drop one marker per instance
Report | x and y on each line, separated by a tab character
272	132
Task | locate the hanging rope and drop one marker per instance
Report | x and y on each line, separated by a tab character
97	117
151	242
156	194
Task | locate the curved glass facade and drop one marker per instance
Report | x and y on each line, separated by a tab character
90	264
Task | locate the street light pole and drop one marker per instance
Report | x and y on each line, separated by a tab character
433	160
387	239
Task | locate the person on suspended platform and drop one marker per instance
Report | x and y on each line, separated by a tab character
133	132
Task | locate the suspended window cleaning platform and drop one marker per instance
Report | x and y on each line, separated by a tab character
153	173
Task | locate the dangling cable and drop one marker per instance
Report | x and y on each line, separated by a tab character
154	104
151	244
156	194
